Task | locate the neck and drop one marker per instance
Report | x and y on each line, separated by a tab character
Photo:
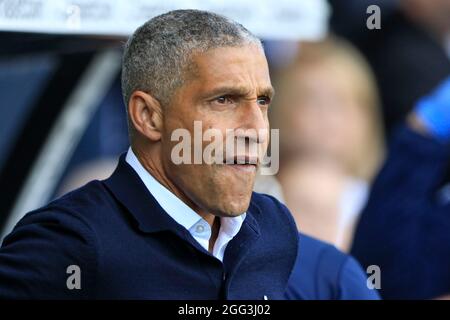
215	228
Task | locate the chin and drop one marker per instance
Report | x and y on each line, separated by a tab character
234	207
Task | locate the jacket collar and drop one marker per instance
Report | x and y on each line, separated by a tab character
130	191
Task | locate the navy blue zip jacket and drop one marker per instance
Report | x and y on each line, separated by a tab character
405	228
122	245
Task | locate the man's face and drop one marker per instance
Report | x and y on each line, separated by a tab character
230	89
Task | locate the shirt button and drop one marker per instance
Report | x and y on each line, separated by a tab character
199	228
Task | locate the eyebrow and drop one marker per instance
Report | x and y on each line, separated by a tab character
240	91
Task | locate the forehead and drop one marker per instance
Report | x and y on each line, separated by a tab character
244	66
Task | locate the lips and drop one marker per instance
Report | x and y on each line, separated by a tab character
242	160
243	168
242	164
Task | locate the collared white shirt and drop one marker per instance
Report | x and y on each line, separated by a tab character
198	227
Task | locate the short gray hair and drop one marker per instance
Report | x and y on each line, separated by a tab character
159	52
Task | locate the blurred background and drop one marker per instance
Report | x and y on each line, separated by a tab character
342	88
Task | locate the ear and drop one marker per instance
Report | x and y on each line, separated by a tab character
145	114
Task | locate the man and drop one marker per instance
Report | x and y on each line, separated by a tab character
159	229
405	227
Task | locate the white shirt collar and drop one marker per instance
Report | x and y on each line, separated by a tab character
184	215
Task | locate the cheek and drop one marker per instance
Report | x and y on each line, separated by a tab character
195	180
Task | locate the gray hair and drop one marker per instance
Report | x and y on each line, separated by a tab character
158	54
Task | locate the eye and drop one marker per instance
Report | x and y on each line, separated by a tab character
223	100
263	100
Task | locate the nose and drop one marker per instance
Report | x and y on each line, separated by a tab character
254	123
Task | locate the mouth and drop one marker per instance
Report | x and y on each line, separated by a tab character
247	168
244	164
